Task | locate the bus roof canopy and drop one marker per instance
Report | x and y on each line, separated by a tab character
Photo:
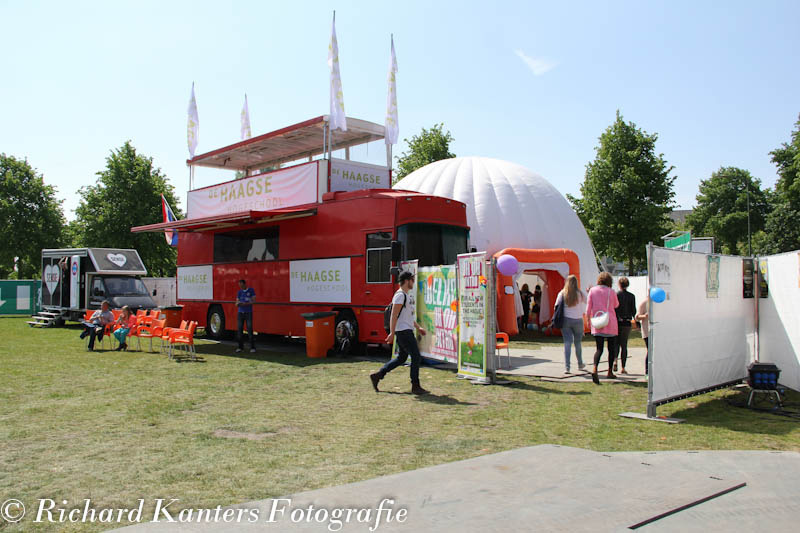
224	221
306	139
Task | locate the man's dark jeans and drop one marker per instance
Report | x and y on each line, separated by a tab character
407	343
241	319
95	332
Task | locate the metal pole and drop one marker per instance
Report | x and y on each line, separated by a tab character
651	408
491	325
749	242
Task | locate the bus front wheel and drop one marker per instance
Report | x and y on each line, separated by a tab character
216	322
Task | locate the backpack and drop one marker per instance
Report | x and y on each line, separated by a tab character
387	314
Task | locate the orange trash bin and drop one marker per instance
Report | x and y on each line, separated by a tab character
172	315
320	332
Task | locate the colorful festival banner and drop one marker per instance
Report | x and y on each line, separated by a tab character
437	312
410	266
289	187
473	312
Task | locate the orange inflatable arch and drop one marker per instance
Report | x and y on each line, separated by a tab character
506	312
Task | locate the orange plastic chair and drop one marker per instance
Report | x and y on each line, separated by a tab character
501	341
150	331
166	331
183	337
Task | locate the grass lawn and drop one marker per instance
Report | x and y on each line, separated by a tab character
116	427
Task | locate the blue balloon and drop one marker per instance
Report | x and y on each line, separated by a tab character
657	294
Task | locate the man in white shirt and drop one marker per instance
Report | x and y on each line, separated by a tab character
402	326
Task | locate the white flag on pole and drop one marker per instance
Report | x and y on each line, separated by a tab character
246	134
392	126
337	117
193	125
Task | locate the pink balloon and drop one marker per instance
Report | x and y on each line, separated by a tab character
507	264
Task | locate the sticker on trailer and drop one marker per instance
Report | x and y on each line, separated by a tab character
320	280
52	275
196	283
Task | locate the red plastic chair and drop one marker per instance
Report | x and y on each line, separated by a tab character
183	337
501	341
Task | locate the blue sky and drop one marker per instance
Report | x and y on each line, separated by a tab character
535	83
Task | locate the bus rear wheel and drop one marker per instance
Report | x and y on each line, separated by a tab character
346	332
215	322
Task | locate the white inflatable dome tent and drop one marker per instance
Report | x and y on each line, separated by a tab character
509	206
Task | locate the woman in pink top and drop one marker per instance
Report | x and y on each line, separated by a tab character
603	298
127	323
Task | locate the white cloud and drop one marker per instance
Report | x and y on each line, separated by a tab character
538	65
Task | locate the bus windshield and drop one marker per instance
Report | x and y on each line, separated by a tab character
124	286
432	244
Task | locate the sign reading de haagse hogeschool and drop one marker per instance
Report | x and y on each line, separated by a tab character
352	176
274	190
320	280
196	283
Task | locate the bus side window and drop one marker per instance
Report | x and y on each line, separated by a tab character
253	245
379	257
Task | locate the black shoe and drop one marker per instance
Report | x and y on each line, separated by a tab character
417	389
119	348
375	377
83	335
595	378
611	375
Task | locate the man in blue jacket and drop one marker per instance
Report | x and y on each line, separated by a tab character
244	301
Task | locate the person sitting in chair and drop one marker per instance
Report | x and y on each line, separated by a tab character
97	323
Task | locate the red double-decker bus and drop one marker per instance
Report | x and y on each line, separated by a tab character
318	235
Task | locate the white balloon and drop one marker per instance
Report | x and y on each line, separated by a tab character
508	206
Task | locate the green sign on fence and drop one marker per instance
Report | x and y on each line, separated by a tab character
20	297
681	242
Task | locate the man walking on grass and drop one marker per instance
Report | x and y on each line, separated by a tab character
244	301
402	326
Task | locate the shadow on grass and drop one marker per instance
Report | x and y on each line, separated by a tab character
522	385
292	358
729	413
441	399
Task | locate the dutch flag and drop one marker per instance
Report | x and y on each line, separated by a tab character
169	216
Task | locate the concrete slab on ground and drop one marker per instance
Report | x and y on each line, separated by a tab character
548	363
771	499
540	488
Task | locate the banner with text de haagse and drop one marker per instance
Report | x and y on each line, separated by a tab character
274	190
196	283
352	176
472	302
437	312
320	280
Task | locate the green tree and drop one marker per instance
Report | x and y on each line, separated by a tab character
31	218
128	193
627	194
721	210
782	227
427	147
